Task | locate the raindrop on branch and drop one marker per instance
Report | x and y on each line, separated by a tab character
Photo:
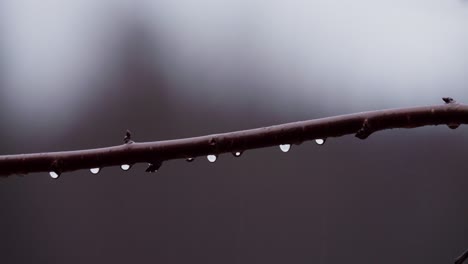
285	147
54	175
95	170
212	158
320	141
237	154
125	167
190	159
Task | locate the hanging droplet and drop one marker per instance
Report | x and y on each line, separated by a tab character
212	158
95	170
54	175
237	154
190	159
285	147
153	167
320	141
125	167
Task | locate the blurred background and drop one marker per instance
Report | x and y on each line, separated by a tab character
76	74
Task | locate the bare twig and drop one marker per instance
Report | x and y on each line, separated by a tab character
462	258
362	125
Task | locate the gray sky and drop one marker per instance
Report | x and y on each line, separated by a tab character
76	74
346	55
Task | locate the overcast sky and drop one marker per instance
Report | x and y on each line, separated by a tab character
75	74
356	54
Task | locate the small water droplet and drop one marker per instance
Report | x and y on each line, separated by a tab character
125	167
212	158
95	170
237	154
190	159
54	175
285	147
320	141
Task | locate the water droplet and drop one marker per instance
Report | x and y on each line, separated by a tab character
54	175
212	158
320	141
95	170
285	147
125	167
190	159
237	154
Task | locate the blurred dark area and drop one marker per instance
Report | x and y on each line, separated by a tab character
77	77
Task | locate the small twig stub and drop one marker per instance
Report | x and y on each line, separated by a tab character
448	100
128	137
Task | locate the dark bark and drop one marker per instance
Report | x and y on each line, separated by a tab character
361	124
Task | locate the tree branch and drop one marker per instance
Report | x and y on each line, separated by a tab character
461	258
362	125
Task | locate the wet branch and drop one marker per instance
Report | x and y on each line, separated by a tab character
461	258
362	125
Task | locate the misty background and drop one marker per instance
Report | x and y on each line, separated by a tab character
76	74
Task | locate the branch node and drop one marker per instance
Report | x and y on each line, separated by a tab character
212	141
128	137
154	166
365	130
55	166
449	100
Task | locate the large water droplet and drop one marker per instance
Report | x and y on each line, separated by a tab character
320	141
285	147
95	170
237	154
54	175
190	159
212	158
125	167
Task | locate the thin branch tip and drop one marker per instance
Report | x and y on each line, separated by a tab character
461	258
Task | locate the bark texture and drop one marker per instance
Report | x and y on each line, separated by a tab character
362	125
